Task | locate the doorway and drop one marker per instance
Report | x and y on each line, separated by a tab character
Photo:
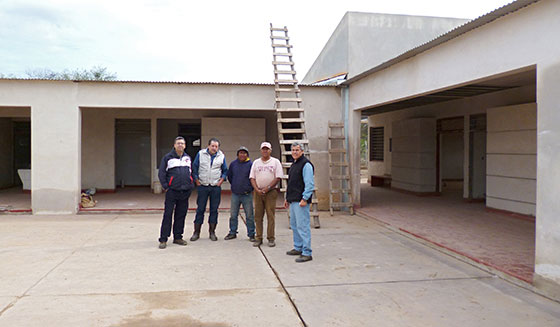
450	155
477	157
132	152
192	134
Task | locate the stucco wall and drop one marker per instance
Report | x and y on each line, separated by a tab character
512	158
98	149
414	148
6	153
232	133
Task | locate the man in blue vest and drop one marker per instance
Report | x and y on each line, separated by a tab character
298	197
209	172
175	178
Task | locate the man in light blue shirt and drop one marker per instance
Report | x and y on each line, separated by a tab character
298	196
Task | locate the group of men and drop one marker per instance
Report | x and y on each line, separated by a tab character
254	185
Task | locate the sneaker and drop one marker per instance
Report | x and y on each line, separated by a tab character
271	243
304	258
251	239
257	243
293	252
230	237
180	242
162	245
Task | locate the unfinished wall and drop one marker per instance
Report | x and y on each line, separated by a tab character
6	153
512	158
414	152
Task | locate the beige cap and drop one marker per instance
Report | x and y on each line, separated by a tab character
266	145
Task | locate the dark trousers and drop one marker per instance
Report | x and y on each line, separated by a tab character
205	192
178	200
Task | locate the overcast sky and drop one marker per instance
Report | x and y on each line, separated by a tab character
181	40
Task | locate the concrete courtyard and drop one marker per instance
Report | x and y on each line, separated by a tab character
106	270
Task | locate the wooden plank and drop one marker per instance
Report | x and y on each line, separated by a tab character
282	54
292	141
285	72
341	137
291	120
292	131
274	45
286	81
289	109
337	150
277	37
288	100
336	125
294	89
288	63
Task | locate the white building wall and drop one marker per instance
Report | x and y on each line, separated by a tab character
511	165
6	153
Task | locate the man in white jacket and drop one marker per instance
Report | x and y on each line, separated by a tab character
209	172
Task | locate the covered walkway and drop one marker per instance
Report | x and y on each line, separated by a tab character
503	242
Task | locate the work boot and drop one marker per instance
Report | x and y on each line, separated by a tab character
212	230
230	237
293	252
196	234
180	241
304	258
162	245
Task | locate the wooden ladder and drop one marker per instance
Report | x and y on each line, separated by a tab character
289	109
340	183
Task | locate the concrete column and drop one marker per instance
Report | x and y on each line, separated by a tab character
55	151
547	260
466	157
153	145
352	121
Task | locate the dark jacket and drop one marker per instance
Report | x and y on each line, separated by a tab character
175	172
296	185
238	176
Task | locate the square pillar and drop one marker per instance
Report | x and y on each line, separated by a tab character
55	150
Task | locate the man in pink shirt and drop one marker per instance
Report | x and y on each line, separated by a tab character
265	176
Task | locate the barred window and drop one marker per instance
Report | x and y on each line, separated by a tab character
376	140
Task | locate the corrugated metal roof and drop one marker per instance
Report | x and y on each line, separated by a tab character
462	29
153	82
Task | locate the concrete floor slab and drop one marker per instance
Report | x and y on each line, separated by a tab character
264	307
364	257
116	262
5	301
468	302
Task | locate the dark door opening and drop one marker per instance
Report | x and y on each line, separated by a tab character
132	152
192	135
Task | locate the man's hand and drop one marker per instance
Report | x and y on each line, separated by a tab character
285	204
197	182
220	182
302	203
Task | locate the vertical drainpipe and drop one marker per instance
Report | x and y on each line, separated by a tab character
345	115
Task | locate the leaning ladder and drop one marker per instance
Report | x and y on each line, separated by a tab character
289	110
340	183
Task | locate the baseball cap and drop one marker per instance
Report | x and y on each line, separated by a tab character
242	148
266	145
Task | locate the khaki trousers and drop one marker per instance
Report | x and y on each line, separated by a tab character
266	202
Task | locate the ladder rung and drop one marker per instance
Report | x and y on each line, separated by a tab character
341	204
296	90
287	72
337	150
291	131
338	164
275	45
291	120
283	63
288	100
284	54
285	81
341	137
276	37
292	141
286	164
315	201
278	29
340	190
289	109
336	124
289	153
340	177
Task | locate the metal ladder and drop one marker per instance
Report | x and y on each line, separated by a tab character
288	104
340	183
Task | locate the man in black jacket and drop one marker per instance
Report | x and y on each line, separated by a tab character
175	177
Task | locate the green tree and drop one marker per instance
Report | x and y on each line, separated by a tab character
96	73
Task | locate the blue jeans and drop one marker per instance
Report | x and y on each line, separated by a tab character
205	192
247	201
299	222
